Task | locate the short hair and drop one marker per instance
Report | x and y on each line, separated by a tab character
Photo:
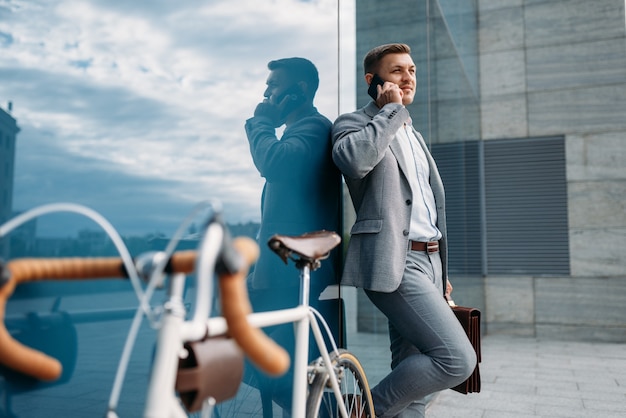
301	69
375	55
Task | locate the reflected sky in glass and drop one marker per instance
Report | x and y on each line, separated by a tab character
137	109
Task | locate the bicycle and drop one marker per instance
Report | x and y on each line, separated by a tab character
195	364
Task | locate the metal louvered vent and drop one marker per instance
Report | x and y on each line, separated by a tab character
526	206
459	167
506	206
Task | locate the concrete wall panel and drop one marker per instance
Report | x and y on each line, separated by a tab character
576	65
594	109
504	117
591	307
561	22
598	251
501	30
502	73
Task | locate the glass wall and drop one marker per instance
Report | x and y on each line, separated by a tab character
140	111
443	38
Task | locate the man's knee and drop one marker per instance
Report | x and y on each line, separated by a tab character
460	363
466	362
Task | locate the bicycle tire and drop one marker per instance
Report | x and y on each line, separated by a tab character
353	385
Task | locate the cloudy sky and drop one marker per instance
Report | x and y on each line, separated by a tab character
137	108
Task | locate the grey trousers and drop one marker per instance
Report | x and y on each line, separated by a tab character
429	349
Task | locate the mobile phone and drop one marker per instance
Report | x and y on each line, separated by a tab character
373	90
295	94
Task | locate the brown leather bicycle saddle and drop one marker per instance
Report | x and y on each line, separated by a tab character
312	246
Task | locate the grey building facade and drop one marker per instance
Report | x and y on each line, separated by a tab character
523	103
8	132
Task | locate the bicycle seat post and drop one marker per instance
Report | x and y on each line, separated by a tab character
305	283
301	353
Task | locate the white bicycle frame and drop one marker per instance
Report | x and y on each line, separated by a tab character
175	331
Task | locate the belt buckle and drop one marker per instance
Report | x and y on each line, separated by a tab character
432	247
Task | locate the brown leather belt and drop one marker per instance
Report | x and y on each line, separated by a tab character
431	247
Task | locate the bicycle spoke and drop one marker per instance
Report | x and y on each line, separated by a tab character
353	386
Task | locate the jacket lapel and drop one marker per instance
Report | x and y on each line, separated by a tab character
371	110
396	149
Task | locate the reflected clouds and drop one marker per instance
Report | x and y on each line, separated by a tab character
149	97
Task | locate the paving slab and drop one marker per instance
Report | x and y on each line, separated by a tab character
529	377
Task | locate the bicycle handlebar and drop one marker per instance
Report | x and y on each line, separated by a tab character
32	362
262	350
13	354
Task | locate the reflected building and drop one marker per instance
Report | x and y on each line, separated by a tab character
8	136
525	112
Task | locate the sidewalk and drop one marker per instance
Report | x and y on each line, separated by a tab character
526	377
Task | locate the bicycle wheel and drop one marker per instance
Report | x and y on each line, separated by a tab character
321	401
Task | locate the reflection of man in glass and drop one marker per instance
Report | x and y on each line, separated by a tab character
301	192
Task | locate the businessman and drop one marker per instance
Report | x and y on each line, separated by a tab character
398	243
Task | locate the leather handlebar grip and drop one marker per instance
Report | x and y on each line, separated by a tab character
262	350
25	359
183	261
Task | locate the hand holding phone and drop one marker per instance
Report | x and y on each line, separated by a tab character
373	89
293	96
279	107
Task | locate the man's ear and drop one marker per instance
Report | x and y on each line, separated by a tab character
368	78
303	86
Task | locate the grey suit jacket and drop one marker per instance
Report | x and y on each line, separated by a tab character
366	151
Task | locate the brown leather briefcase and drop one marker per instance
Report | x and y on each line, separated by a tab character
470	320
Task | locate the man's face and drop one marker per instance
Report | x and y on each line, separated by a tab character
399	69
277	83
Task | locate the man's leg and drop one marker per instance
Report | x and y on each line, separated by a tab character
430	350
